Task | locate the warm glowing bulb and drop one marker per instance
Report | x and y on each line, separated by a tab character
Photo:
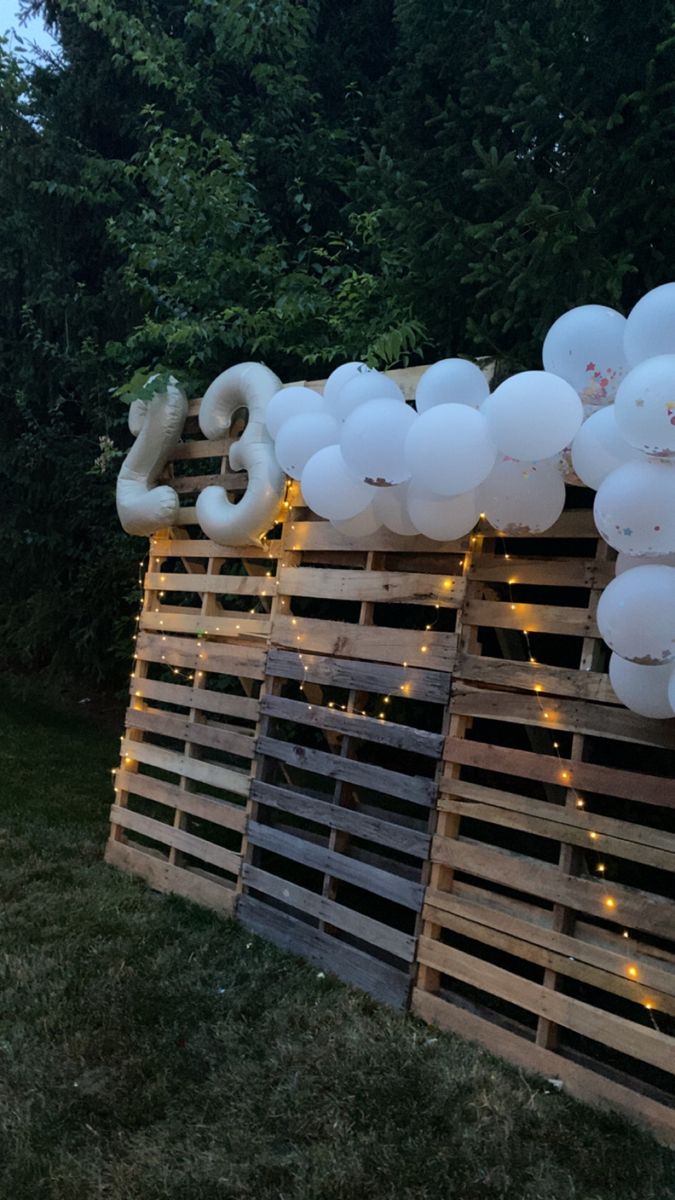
632	971
601	868
609	902
593	837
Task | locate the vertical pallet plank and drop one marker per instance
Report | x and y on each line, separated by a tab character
548	1033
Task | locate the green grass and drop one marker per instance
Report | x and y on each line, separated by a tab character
150	1049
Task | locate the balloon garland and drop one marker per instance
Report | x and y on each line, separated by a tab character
603	406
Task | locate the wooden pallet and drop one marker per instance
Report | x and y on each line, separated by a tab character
537	940
349	744
181	790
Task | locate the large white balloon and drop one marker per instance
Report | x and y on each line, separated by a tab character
599	448
339	377
585	347
444	518
330	489
362	387
450	449
451	381
291	402
627	562
391	507
520	497
634	508
533	415
372	440
635	615
650	328
362	525
645	406
300	437
642	689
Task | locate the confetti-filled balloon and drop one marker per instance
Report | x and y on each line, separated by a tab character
533	415
634	508
444	518
645	406
450	450
642	689
339	377
372	440
365	386
599	448
451	381
291	402
650	328
391	506
329	488
522	497
585	347
635	615
300	437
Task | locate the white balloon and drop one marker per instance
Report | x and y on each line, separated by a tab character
338	378
636	615
520	497
451	381
290	402
650	328
372	440
391	506
362	525
300	437
366	385
329	488
444	518
642	689
626	562
634	508
585	347
645	406
533	415
599	448
450	449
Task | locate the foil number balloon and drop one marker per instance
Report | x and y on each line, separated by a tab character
157	424
143	507
249	386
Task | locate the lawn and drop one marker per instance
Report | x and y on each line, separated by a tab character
150	1049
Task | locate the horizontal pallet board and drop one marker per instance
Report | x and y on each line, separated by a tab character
386	983
379	678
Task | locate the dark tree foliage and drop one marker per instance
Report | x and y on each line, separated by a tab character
194	182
